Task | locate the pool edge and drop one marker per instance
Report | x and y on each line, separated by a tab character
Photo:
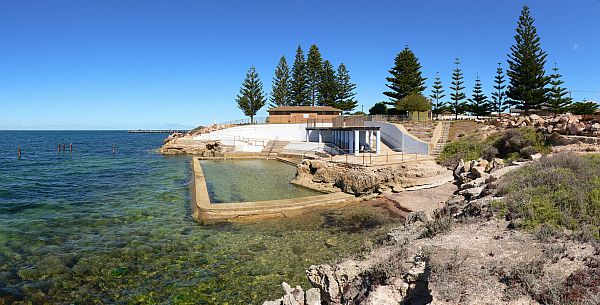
203	210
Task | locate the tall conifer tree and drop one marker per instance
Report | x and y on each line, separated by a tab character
299	83
499	96
251	97
437	93
406	77
280	96
345	94
314	65
328	86
479	105
527	87
558	101
457	105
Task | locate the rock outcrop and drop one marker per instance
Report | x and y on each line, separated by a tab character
297	296
357	180
562	124
187	145
387	279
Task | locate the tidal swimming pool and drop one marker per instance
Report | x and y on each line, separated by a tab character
251	180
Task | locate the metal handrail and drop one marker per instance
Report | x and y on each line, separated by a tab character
272	145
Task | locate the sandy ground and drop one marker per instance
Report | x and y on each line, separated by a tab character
426	200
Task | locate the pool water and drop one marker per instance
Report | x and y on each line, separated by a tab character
251	180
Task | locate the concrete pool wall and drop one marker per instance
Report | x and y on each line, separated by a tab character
204	210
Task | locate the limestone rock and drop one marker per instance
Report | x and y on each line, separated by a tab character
293	296
358	182
536	156
313	296
474	192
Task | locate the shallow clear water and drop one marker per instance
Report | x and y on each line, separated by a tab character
92	227
251	180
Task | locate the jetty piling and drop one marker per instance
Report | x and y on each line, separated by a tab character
71	147
19	152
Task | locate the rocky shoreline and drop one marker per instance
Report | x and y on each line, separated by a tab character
360	181
414	265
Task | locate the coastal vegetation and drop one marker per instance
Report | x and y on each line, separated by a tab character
510	145
562	191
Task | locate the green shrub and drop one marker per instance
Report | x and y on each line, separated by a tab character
467	148
562	191
512	144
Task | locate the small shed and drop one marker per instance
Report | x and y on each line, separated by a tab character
302	114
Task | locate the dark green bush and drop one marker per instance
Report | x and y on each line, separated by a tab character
562	191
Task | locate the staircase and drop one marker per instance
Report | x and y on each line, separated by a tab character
439	146
273	148
422	130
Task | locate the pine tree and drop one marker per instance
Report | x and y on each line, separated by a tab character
437	93
479	105
251	97
280	96
457	106
299	83
345	96
314	65
558	102
328	86
527	88
584	107
406	77
499	95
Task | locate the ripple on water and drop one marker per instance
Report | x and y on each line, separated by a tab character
93	227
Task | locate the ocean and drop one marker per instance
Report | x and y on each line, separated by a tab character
90	226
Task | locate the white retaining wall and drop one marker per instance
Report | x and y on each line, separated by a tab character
397	140
282	132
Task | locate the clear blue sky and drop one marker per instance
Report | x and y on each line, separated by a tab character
121	64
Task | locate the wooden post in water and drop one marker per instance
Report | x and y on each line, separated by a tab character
71	147
58	147
19	152
64	147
